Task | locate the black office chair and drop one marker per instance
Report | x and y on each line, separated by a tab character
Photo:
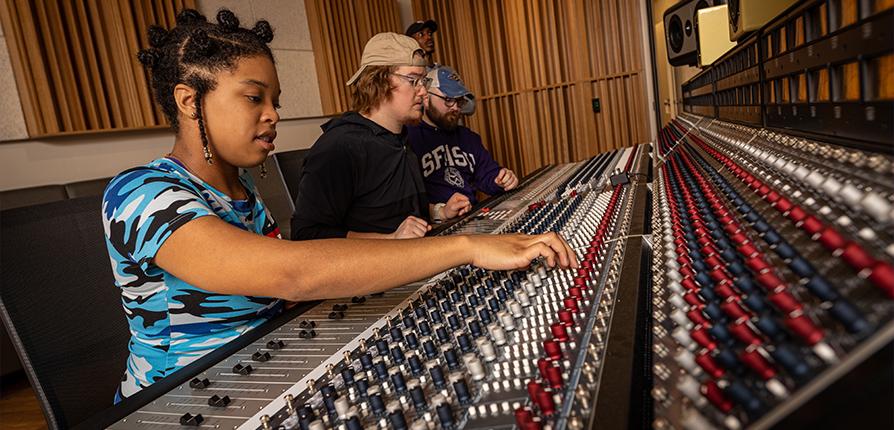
275	195
291	164
11	199
60	304
91	187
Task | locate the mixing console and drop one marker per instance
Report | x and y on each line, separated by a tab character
772	271
469	348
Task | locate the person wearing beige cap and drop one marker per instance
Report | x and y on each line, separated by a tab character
360	179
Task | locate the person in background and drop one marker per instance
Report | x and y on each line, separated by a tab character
454	162
424	34
194	251
360	179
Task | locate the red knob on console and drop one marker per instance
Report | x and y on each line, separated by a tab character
883	277
758	363
805	329
712	392
534	387
552	349
566	317
554	376
560	333
544	400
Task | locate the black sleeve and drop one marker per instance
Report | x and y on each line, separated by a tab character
325	193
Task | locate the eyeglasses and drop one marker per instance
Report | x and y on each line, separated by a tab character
450	101
416	81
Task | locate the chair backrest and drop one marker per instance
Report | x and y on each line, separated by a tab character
12	199
59	303
92	187
291	164
272	188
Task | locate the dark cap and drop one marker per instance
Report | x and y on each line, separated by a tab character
419	25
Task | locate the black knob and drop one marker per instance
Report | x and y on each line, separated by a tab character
412	340
430	350
415	364
199	384
376	403
424	328
347	375
396	417
475	328
397	355
445	415
362	386
462	390
437	375
454	321
381	369
276	344
397	379
409	321
260	356
307	324
465	343
307	334
442	334
452	358
191	420
218	402
242	370
367	361
397	334
417	394
382	347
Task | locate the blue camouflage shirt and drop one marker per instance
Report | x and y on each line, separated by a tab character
173	323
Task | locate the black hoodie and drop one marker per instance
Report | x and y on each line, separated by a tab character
358	177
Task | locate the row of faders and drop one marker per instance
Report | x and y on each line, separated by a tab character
774	267
485	349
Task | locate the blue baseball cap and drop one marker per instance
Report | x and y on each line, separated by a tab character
448	81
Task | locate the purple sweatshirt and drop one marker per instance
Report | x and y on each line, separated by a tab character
453	161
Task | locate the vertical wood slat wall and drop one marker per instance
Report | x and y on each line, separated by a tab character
536	65
339	30
75	62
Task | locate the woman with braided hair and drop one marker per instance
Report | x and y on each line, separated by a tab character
193	248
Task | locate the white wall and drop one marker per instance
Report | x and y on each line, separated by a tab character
62	160
26	163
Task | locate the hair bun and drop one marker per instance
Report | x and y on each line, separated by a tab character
157	36
190	17
201	43
263	30
149	57
228	20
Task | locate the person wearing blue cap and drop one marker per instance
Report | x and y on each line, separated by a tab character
454	162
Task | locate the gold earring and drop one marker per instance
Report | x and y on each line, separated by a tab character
192	115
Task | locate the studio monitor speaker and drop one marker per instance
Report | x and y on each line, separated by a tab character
746	16
712	23
680	31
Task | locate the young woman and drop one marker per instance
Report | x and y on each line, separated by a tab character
193	248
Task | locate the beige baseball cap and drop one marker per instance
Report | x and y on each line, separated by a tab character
389	49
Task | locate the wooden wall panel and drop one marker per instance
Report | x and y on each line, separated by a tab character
536	65
75	62
339	30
